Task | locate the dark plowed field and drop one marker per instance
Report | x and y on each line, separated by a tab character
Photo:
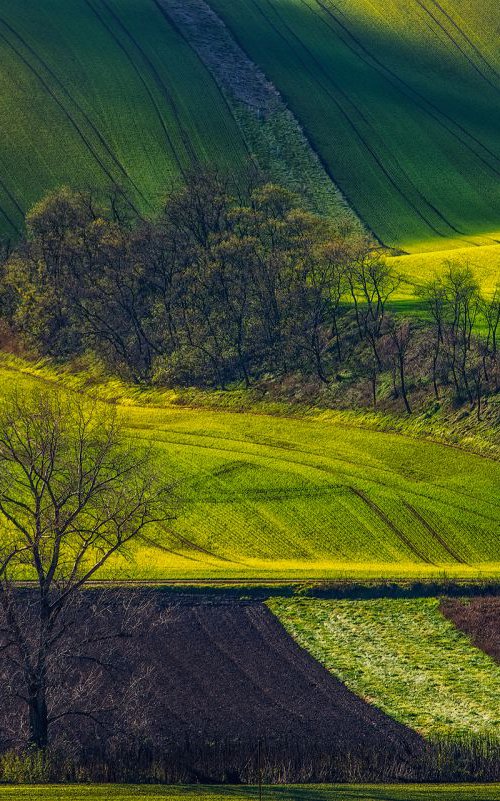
232	670
479	618
207	692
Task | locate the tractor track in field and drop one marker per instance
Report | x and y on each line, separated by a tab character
467	38
391	525
335	471
67	114
426	105
165	90
142	80
384	169
107	147
456	45
432	531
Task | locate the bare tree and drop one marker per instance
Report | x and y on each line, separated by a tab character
73	492
400	335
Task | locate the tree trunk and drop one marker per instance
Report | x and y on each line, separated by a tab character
403	384
38	716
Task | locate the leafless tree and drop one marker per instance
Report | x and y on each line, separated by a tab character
73	492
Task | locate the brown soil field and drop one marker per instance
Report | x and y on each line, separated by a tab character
479	618
225	687
232	670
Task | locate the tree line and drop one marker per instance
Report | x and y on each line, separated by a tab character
222	288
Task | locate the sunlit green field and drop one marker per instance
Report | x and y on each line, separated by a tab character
103	92
386	792
259	495
399	98
403	656
417	268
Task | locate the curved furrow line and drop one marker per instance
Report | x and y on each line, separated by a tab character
163	11
153	544
390	524
107	147
219	642
186	140
391	157
426	105
432	531
336	471
466	37
457	45
195	547
316	453
67	114
139	74
13	200
383	168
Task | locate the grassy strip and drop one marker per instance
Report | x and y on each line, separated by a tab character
413	792
404	657
436	423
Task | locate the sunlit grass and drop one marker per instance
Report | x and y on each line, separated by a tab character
384	792
404	657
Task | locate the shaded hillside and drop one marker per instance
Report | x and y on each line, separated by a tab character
400	100
100	92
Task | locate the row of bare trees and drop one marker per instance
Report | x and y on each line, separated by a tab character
221	289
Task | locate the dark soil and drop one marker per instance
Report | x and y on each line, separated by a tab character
232	670
479	618
206	691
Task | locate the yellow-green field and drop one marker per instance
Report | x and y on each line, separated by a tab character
417	268
267	496
403	656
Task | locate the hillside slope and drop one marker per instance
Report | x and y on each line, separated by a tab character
399	98
96	92
265	496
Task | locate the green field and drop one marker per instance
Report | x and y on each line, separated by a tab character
403	656
399	98
484	261
269	496
95	92
386	792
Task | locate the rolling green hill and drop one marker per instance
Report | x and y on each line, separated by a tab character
404	657
99	92
267	496
399	98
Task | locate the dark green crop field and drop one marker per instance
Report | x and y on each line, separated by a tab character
399	98
416	792
100	92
